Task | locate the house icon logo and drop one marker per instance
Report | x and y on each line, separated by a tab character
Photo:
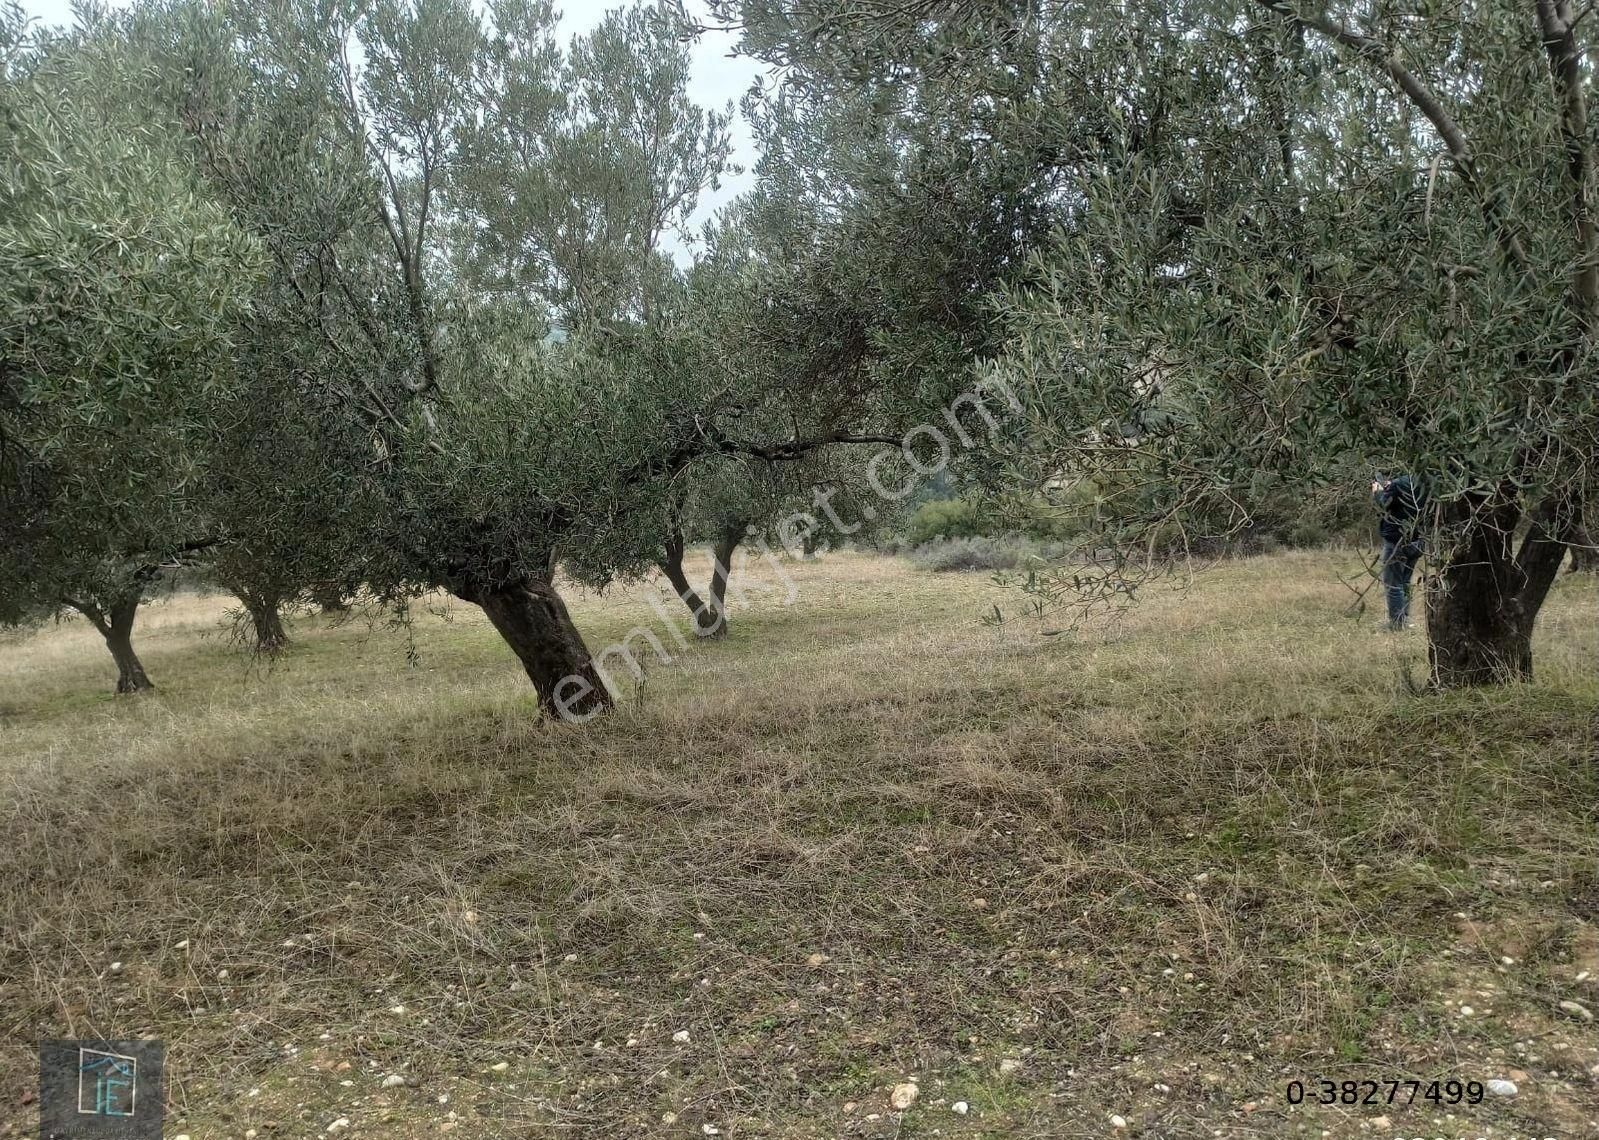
101	1089
108	1083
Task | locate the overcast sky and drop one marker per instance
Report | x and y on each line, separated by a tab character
716	79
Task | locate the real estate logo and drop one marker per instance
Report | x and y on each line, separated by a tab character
100	1090
108	1083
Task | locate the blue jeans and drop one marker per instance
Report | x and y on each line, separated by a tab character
1398	564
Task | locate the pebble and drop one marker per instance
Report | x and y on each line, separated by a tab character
1118	1122
1501	1087
668	1118
184	945
570	958
340	1124
393	1081
500	1066
710	1130
1009	1065
681	1037
960	1108
904	1095
1576	1009
116	967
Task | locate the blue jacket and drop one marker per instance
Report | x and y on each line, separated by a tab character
1401	503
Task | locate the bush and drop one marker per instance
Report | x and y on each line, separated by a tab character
983	552
947	518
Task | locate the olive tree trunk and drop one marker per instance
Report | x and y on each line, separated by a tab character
1485	597
115	623
266	620
710	612
531	617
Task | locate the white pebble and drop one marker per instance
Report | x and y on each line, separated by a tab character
393	1081
960	1108
500	1066
1500	1087
1118	1122
681	1037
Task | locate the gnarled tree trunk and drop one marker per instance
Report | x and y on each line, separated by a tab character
115	623
265	620
710	614
1486	596
530	615
131	677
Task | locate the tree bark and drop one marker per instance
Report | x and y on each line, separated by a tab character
115	624
266	621
722	565
1487	594
710	615
534	622
131	677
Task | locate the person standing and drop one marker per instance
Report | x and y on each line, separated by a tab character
1399	503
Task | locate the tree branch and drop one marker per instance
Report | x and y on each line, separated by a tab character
1383	56
1565	65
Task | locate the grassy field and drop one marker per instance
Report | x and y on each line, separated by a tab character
1129	880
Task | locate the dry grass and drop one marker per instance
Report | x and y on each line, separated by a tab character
1168	866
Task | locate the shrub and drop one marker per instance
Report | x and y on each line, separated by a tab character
983	552
946	518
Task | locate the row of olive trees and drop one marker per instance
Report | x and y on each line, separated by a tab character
361	385
286	302
1280	238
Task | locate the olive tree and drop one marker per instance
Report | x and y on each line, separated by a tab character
120	286
1277	236
1367	234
